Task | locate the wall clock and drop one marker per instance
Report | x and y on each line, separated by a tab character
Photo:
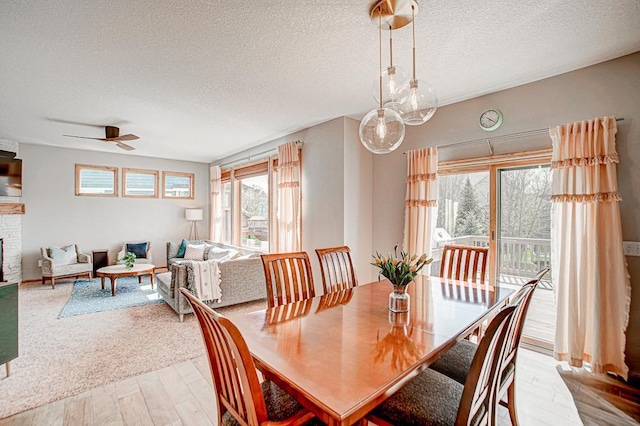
491	119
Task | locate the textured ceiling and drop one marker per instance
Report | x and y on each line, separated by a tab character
199	80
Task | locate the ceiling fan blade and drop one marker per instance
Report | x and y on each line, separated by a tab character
128	137
86	137
125	146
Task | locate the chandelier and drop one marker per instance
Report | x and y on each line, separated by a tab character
400	102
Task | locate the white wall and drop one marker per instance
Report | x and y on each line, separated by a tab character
610	88
55	216
335	211
358	201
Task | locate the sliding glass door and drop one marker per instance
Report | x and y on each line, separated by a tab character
524	243
504	203
463	213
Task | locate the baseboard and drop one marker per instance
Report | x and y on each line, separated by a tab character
537	345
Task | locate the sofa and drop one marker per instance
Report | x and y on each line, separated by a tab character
241	279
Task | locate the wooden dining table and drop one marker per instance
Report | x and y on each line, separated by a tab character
343	353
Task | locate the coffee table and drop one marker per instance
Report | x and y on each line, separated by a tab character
116	271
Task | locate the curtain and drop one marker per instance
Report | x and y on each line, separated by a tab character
588	265
420	203
288	213
215	228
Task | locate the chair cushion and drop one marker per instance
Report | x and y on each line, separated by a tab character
139	249
280	405
430	398
64	255
76	268
194	252
456	362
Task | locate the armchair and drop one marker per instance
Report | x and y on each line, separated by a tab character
142	250
64	262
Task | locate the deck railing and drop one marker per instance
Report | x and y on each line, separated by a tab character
522	257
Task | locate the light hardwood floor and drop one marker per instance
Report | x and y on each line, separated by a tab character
548	393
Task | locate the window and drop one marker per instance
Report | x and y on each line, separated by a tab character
249	205
96	181
177	185
254	211
140	183
226	211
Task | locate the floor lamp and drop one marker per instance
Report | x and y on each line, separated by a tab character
193	215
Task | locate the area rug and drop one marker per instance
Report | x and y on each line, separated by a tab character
61	357
88	296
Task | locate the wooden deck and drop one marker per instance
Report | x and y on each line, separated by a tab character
540	325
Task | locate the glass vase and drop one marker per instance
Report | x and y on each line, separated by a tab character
399	299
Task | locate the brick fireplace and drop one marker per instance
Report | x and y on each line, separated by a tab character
11	233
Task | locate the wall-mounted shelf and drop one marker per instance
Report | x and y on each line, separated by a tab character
11	208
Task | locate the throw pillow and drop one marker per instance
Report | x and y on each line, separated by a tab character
194	252
64	255
183	247
217	253
139	249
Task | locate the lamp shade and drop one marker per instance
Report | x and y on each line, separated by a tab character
193	214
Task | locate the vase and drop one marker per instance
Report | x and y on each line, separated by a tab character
399	299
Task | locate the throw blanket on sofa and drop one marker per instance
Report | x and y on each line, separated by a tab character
203	280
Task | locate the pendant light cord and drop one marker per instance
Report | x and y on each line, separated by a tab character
390	46
380	52
413	26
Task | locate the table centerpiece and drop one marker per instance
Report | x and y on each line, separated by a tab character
400	268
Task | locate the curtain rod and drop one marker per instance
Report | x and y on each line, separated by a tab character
300	144
500	138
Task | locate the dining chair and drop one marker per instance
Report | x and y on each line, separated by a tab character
240	398
466	263
456	362
431	398
336	268
288	277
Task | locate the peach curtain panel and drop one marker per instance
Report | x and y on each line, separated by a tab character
215	228
288	214
420	203
589	269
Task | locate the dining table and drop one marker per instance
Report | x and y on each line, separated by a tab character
343	353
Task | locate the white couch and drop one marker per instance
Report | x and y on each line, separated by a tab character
241	280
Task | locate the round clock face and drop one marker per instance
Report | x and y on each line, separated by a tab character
491	119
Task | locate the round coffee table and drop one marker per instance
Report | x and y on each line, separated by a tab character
116	271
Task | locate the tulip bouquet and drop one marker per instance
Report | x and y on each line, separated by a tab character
400	268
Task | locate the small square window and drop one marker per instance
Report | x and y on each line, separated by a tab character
96	181
177	185
140	183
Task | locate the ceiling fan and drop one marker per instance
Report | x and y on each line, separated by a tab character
112	135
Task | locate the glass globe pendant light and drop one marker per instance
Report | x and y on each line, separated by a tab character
420	100
392	79
382	129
